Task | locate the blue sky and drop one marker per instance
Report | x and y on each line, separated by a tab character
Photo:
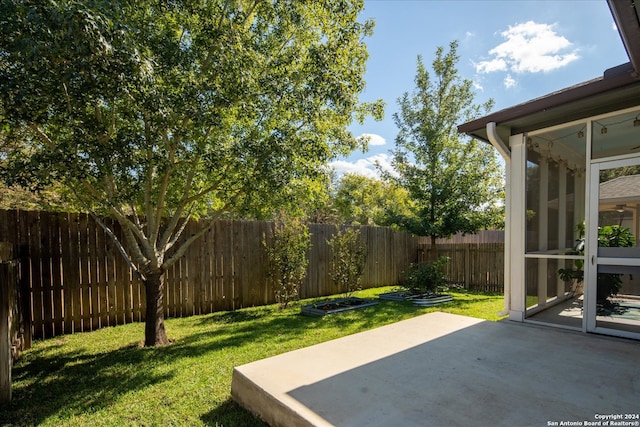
513	51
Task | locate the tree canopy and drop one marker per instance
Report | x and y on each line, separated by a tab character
361	200
454	182
153	112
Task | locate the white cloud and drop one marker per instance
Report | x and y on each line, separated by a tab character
365	166
529	48
491	66
509	81
614	27
372	139
478	86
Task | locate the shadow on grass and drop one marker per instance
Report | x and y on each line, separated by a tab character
49	382
280	327
229	413
224	317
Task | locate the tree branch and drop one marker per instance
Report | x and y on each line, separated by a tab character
118	244
180	252
43	136
122	219
178	233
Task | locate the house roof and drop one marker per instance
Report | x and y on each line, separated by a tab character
618	88
621	189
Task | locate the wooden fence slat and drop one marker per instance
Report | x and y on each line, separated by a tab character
137	297
236	261
110	300
85	274
266	281
211	270
218	290
72	275
45	274
257	263
191	260
93	265
122	282
35	253
102	278
113	303
56	273
176	309
226	261
203	273
185	272
244	262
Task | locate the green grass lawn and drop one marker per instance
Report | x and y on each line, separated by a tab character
105	378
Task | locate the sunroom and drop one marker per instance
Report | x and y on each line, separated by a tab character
572	231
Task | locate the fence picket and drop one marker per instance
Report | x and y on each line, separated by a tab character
56	273
45	273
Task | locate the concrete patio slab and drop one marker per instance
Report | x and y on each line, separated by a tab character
447	370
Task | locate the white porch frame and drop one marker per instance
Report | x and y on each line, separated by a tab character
586	206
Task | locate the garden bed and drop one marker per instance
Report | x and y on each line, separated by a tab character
396	296
423	300
431	300
336	306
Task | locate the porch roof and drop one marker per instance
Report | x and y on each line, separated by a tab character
618	88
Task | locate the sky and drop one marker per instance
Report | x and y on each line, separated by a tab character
512	50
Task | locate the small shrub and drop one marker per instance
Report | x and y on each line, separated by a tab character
288	260
347	261
426	278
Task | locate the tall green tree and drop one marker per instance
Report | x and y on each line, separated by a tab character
157	111
454	182
360	200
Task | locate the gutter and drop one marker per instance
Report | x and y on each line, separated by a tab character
626	20
497	142
504	151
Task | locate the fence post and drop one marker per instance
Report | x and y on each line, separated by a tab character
7	302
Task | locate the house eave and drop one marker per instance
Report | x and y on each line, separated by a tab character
617	89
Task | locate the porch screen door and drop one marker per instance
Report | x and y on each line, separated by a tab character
612	300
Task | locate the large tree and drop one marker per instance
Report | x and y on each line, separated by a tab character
454	181
360	200
155	111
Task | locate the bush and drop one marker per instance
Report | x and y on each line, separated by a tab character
426	278
347	261
288	260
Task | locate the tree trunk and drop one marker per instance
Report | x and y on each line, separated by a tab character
154	333
434	249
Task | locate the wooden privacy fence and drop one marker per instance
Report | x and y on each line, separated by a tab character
476	261
74	279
